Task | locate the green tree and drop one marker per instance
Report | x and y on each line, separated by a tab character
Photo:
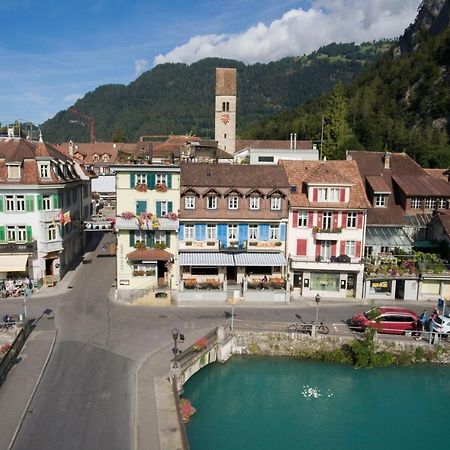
119	135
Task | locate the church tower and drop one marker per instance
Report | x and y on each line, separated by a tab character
225	115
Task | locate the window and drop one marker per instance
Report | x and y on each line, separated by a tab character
379	200
211	202
430	203
252	232
254	202
325	249
322	281
275	203
139	236
95	158
223	106
351	219
302	219
140	178
228	106
21	233
323	194
327	220
51	232
274	232
160	237
267	159
161	178
46	203
233	202
164	208
189	202
442	203
334	194
232	232
44	170
211	232
13	171
105	158
350	248
11	234
416	203
144	270
9	202
188	232
20	203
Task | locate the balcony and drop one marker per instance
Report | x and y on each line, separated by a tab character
322	234
18	247
198	245
48	247
49	216
334	263
266	246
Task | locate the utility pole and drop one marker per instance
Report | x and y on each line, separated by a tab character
321	139
90	120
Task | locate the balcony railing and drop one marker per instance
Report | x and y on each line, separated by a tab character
18	247
323	234
48	216
195	245
54	246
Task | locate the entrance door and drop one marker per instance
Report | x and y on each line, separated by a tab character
400	289
232	273
297	284
49	266
351	284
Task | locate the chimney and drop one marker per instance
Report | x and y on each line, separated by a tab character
387	160
295	141
348	157
71	149
291	138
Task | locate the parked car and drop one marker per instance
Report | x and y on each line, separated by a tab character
441	324
386	319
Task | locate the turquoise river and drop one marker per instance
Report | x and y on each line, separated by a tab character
290	404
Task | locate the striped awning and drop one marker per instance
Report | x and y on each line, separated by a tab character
259	259
206	259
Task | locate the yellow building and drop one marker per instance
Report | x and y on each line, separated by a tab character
148	201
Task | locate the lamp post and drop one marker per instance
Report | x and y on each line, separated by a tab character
175	336
317	298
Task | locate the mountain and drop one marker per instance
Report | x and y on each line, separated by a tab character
400	103
179	98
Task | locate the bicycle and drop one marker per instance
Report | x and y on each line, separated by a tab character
305	327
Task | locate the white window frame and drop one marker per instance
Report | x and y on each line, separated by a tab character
350	248
327	220
352	219
211	232
253	232
20	203
275	203
322	195
10	204
430	203
442	203
52	234
189	232
255	202
11	233
46	202
380	200
232	232
139	236
44	170
140	178
160	237
302	219
274	232
325	249
233	202
14	172
161	178
211	202
416	203
164	208
21	233
189	202
334	194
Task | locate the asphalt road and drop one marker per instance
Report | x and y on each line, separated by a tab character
85	399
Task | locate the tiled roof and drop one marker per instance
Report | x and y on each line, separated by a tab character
149	254
242	144
438	173
233	175
422	185
378	184
300	173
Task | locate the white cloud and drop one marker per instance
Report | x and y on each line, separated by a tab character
301	31
140	66
72	98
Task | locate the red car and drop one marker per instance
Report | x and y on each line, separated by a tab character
387	319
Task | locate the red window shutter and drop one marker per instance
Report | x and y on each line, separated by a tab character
342	195
344	220
360	220
315	194
333	248
319	219
310	219
301	247
358	249
295	219
335	219
342	248
317	249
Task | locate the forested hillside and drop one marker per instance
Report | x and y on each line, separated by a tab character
179	98
401	103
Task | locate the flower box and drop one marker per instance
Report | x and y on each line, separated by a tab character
161	187
141	187
200	345
210	243
188	243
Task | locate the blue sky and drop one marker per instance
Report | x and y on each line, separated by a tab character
53	52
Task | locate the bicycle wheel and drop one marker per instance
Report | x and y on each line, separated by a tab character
292	328
323	329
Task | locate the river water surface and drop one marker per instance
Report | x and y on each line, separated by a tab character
278	403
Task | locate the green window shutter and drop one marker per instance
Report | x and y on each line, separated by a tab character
158	209
39	202
2	233
29	203
2	203
141	206
55	200
132	180
169	207
151	180
169	180
131	233
167	239
150	239
29	233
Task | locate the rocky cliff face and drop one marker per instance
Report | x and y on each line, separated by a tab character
433	17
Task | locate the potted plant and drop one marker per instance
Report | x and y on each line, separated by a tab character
141	187
188	243
150	273
210	243
160	246
140	246
161	187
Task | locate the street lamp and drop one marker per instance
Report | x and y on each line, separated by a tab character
317	298
175	336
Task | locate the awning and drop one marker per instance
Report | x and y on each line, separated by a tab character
387	237
259	259
149	254
13	263
206	259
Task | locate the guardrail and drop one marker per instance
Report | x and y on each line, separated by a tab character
184	438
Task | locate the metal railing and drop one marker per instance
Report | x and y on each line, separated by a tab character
184	438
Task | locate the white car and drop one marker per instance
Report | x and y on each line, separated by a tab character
441	324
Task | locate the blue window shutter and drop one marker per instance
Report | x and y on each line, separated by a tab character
141	206
158	209
169	180
203	231
151	180
167	239
169	207
222	233
132	180
149	238
197	232
243	232
131	233
282	231
264	232
181	232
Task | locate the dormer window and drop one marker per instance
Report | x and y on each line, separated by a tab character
379	200
189	202
211	202
334	194
323	194
275	203
105	158
233	202
14	171
255	202
430	203
44	170
95	158
442	203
